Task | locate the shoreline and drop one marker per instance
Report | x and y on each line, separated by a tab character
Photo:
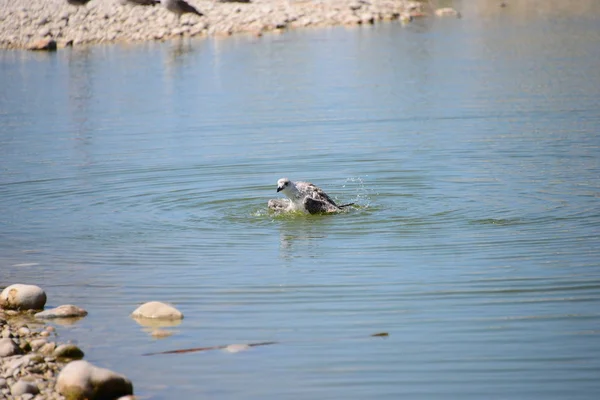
34	361
110	21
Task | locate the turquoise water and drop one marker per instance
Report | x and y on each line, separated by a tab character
472	149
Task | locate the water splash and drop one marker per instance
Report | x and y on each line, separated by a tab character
361	192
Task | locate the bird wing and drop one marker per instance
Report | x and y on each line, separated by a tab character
314	192
314	206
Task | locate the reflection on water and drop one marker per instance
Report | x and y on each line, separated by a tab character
470	146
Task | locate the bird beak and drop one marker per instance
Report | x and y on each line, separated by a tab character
279	189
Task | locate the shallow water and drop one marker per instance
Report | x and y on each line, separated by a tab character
137	173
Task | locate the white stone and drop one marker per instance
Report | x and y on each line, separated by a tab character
236	348
64	311
23	297
156	309
83	380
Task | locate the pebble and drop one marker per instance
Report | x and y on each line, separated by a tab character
24	23
64	311
236	348
68	351
22	387
8	348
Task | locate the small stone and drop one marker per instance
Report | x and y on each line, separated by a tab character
34	359
47	349
8	348
156	309
236	348
81	379
64	311
3	383
24	297
447	12
23	331
22	387
37	343
43	45
68	351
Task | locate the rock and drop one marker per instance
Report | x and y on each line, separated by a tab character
47	349
447	12
8	348
23	331
23	297
236	348
82	380
37	343
22	387
68	351
43	45
156	309
64	311
405	18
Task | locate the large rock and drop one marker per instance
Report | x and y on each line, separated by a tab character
156	309
23	297
64	311
82	380
8	348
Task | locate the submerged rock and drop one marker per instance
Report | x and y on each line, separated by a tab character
23	297
158	310
83	380
64	311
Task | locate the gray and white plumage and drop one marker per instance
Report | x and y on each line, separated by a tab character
180	7
303	196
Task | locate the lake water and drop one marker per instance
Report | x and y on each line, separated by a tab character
471	146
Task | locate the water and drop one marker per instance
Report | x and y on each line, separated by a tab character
137	173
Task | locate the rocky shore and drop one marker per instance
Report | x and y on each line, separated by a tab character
23	24
33	365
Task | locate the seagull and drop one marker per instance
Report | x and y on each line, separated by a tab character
180	7
303	196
